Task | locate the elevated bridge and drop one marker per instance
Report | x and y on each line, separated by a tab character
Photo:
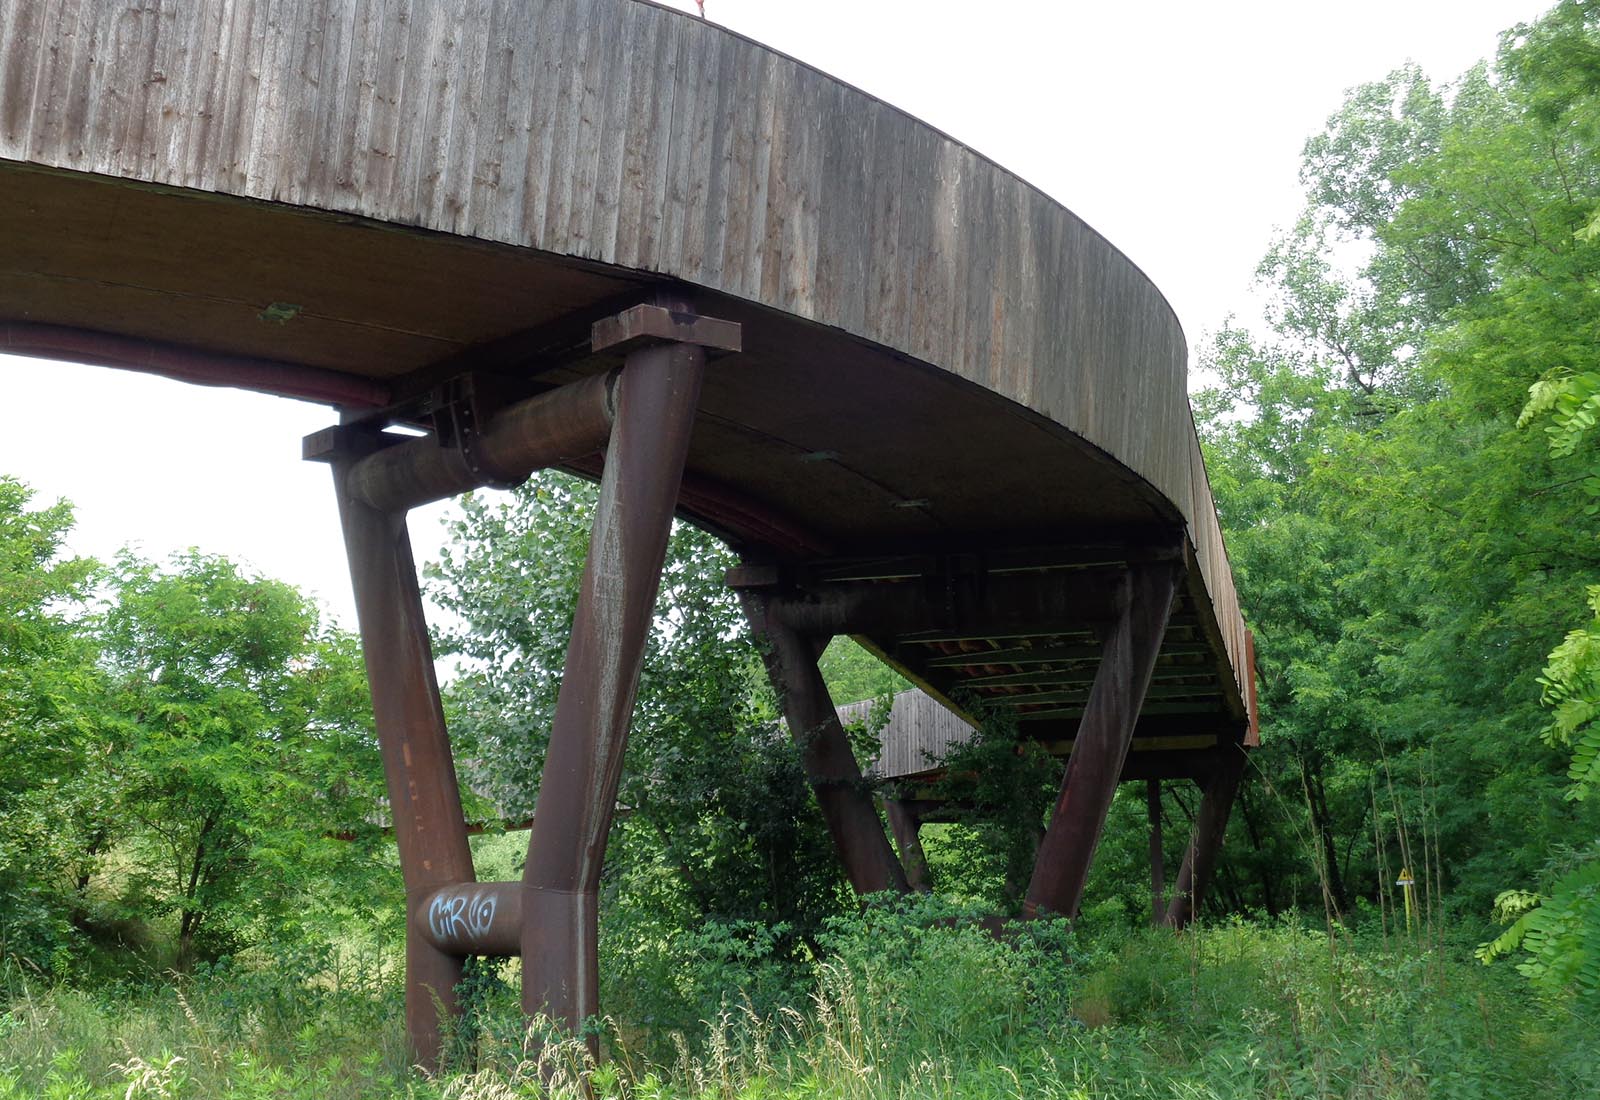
929	406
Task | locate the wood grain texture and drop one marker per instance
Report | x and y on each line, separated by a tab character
618	132
918	733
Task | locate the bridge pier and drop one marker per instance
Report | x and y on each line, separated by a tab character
658	393
1205	841
906	826
424	799
1158	858
830	765
642	415
1105	732
1124	595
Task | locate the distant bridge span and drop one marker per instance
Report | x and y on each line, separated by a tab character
927	404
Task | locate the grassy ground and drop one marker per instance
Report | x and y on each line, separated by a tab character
902	1008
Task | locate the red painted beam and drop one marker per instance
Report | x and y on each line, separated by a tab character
105	349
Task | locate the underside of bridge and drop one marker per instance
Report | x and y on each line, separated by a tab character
928	407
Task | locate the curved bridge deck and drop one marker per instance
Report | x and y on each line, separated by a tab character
956	424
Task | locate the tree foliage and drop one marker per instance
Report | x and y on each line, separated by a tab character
53	775
1408	553
719	822
247	768
195	749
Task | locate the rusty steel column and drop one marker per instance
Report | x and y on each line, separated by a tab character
907	829
1128	656
830	766
1205	842
423	797
1158	859
657	394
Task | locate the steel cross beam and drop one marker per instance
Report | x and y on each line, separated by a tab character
1021	602
564	423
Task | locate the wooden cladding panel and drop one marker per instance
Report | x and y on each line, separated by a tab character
1219	613
622	133
917	735
588	128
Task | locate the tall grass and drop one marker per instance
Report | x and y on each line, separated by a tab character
907	1003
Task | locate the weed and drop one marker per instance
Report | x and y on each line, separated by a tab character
912	999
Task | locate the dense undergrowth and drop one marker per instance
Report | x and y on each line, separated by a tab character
906	1003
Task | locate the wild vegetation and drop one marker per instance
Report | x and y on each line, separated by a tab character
198	898
901	1006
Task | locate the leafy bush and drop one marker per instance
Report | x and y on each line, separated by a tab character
912	999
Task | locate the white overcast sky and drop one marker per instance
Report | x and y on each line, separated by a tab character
1172	127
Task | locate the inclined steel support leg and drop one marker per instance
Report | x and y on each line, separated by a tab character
907	829
423	797
1205	842
657	395
830	766
1104	734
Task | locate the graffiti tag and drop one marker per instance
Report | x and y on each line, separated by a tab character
453	916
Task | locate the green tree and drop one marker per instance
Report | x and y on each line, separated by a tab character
852	674
245	756
1401	546
52	771
719	823
1558	929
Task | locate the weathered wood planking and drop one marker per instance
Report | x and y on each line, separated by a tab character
918	733
627	134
